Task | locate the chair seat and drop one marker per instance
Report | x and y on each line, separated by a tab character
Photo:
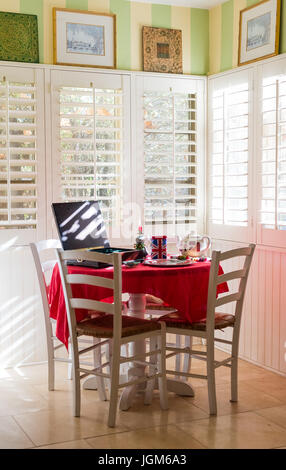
102	326
222	320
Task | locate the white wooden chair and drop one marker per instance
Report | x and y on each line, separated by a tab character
45	259
214	321
44	268
110	326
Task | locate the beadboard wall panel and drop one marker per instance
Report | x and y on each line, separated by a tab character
263	327
22	339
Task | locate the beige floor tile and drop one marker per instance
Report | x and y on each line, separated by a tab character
12	436
276	414
55	426
248	399
274	385
80	444
237	431
140	415
161	437
16	398
37	374
62	396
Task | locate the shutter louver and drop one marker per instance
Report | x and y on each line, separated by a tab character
170	157
18	155
91	135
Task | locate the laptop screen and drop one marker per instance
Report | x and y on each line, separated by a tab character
80	225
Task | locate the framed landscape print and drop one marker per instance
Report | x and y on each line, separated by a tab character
84	38
162	50
259	31
19	37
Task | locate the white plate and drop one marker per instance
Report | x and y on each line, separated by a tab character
168	263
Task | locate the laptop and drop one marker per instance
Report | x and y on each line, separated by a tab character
80	226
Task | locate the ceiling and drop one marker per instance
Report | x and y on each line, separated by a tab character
185	3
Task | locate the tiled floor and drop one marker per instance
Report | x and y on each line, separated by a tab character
33	417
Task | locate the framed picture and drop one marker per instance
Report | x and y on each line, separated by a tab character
19	37
162	50
84	38
259	31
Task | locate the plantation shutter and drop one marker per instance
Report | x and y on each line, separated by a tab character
90	116
22	156
170	151
272	103
230	130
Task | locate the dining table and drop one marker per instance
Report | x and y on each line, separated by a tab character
182	287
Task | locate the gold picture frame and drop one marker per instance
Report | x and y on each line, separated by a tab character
259	28
162	50
84	38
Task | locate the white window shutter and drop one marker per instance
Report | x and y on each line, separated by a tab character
230	166
170	154
89	132
272	164
22	156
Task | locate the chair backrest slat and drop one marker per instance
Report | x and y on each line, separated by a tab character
86	255
47	244
231	276
246	251
88	304
227	299
90	280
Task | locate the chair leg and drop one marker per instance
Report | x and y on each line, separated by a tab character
115	369
70	367
108	356
51	359
234	367
76	384
234	394
211	379
162	380
151	383
178	356
51	372
187	357
97	361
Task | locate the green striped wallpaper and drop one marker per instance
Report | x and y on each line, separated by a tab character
210	38
130	17
224	32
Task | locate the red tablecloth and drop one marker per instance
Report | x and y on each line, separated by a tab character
184	288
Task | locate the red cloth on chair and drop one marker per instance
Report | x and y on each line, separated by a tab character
184	288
